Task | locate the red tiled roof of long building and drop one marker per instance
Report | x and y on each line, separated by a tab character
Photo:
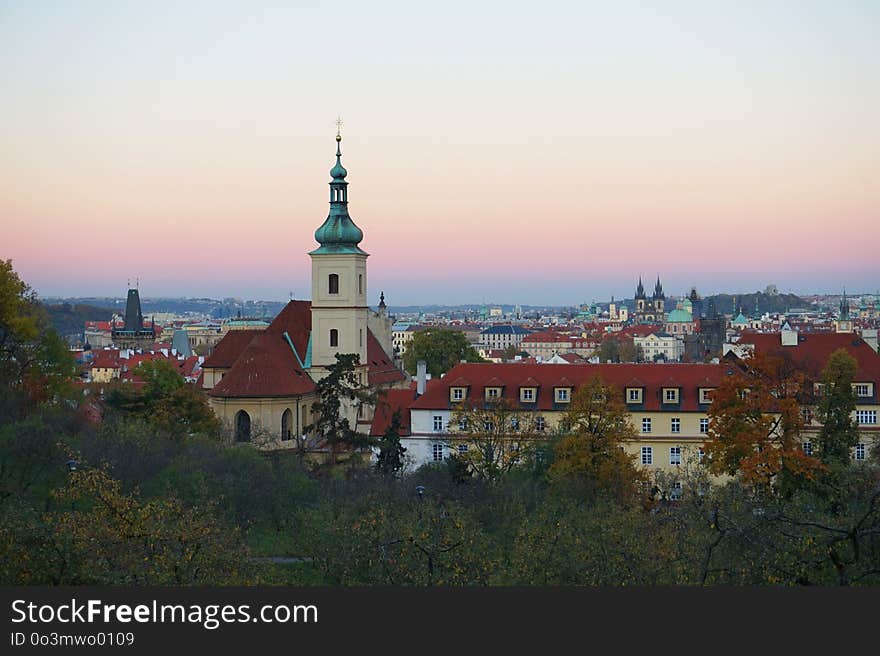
652	376
813	350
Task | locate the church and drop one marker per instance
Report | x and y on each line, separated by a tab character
261	383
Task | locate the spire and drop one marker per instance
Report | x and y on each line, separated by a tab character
382	300
134	318
640	290
338	233
658	289
844	306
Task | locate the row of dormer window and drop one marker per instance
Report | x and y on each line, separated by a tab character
634	395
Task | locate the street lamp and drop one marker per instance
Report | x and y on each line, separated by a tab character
72	466
420	490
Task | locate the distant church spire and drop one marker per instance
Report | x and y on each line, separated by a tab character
658	289
640	290
338	233
844	306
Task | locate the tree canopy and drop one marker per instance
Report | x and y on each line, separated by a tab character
441	349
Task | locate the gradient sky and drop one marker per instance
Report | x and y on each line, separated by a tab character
540	152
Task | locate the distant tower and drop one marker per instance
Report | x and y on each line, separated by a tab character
134	334
696	303
640	298
843	323
659	299
339	280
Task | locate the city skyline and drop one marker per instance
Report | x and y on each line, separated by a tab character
559	151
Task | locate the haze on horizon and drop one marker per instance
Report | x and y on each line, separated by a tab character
542	154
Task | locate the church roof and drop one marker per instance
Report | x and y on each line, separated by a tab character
267	367
338	233
679	316
381	368
228	349
274	362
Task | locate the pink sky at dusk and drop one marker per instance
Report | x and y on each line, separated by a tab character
535	155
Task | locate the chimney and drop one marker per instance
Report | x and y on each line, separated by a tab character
421	375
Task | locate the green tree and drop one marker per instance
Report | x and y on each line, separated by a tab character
497	437
390	459
839	433
165	401
590	456
35	364
340	383
441	349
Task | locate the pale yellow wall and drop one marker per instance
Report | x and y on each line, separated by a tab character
265	414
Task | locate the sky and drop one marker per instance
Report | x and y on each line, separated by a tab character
498	152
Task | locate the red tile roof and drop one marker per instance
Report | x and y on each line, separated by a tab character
266	368
652	376
262	364
228	349
390	401
381	369
813	350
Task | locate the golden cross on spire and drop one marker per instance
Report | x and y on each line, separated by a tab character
338	126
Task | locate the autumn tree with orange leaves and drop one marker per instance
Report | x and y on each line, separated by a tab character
755	425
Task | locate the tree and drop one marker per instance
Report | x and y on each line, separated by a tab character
441	349
496	436
590	456
619	348
755	425
34	361
839	433
165	401
329	426
390	459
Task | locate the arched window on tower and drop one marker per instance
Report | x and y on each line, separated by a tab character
334	337
360	283
333	283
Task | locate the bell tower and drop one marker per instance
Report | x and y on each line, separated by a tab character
339	280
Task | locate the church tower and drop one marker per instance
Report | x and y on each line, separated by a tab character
659	299
843	323
339	280
640	297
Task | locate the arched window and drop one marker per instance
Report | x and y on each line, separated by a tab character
334	337
242	426
286	423
334	283
360	283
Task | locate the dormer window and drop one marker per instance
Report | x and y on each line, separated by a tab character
670	395
457	393
633	394
706	394
862	389
493	393
527	394
563	395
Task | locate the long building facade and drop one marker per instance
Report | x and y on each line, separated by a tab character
668	403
